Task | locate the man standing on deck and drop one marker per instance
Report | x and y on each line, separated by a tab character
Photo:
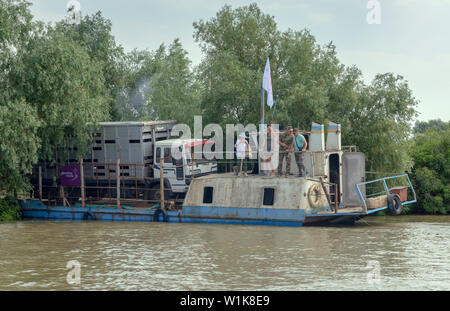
286	148
242	153
300	145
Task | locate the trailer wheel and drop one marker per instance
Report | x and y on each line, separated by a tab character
155	193
394	204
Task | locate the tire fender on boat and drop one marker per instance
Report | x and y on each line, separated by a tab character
88	214
158	212
314	195
394	204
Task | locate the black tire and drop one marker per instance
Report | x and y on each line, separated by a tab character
394	204
87	215
157	213
155	193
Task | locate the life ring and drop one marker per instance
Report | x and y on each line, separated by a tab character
394	204
314	195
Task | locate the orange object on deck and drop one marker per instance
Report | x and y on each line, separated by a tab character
402	192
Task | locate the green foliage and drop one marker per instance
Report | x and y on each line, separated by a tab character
174	92
430	175
311	83
19	144
435	125
16	23
379	123
53	93
9	209
236	44
93	33
242	32
59	79
18	123
132	102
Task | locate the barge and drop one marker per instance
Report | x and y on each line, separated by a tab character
334	192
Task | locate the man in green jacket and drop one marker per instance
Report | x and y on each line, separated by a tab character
286	148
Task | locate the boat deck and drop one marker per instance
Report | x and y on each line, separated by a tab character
344	210
253	176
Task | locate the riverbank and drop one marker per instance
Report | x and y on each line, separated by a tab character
9	209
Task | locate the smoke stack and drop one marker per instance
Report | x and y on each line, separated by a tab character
334	137
317	140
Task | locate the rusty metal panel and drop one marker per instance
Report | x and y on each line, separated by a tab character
319	164
353	172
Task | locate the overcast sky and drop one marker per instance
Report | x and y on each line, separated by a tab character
412	39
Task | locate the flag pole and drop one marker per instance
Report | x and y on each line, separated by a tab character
262	106
261	127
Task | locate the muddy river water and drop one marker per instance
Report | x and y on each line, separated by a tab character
380	253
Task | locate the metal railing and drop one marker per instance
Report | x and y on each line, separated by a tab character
387	189
112	183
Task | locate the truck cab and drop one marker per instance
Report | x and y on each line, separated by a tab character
180	163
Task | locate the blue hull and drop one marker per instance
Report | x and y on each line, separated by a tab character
190	214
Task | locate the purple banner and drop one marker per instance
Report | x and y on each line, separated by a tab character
70	176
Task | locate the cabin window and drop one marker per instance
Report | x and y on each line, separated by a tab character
269	196
158	155
167	155
208	195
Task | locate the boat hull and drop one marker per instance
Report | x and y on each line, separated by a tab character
190	214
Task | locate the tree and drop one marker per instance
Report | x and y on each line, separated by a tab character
174	92
94	34
19	142
141	66
430	174
379	123
236	44
435	125
65	87
309	73
309	82
243	32
16	27
19	145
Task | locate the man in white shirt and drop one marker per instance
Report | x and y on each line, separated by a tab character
241	150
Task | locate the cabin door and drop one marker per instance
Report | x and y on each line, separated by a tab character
335	176
353	172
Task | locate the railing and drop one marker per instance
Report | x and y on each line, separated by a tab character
349	148
386	189
331	193
113	183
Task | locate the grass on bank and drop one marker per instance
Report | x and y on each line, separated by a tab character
9	209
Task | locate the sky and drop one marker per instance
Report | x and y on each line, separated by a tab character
407	37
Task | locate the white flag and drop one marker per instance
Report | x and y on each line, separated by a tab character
267	84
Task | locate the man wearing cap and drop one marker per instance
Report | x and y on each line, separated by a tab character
300	145
286	148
